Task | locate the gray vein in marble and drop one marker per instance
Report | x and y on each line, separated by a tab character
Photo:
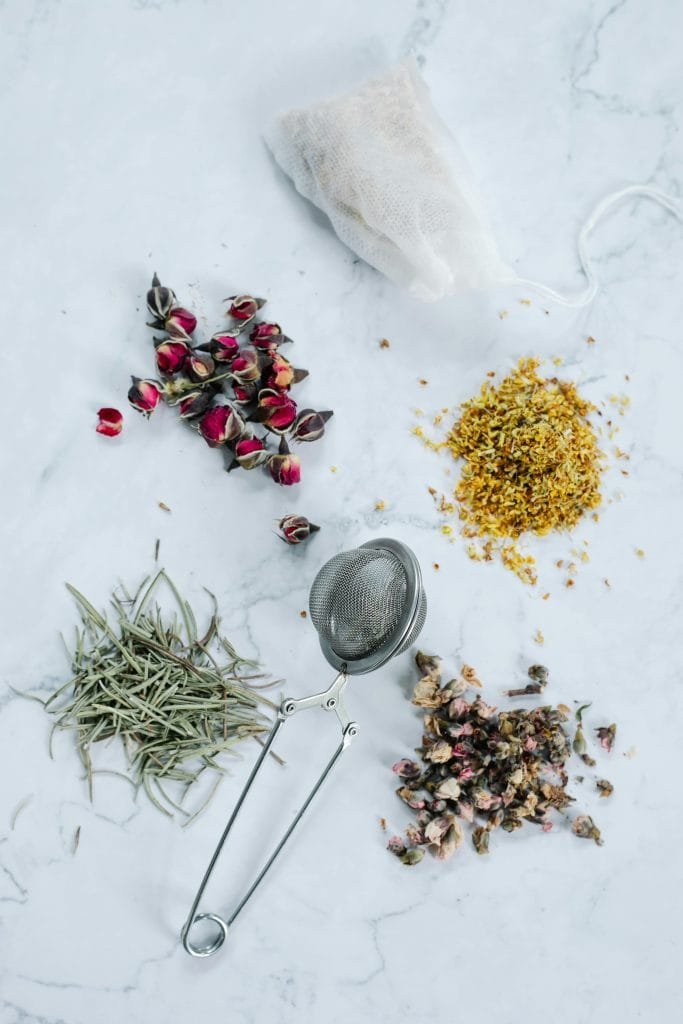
424	28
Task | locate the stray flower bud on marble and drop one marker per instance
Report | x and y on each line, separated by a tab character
295	529
144	395
110	422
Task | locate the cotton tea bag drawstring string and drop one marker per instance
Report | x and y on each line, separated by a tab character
669	203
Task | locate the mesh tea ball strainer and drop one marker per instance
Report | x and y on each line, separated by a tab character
368	605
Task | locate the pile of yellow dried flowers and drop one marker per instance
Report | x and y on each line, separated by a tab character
531	463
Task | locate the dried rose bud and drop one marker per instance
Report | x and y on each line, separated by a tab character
266	336
159	300
246	367
294	529
250	452
244	307
199	368
180	322
110	422
310	425
244	394
144	395
171	355
585	828
407	769
223	347
606	736
220	425
194	404
284	468
277	411
280	374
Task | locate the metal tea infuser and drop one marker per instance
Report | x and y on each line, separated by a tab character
368	605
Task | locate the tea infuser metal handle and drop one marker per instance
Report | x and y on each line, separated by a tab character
329	700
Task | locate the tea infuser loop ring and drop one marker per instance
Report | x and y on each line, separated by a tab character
211	947
368	605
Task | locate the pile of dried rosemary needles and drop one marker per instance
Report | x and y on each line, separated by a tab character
175	699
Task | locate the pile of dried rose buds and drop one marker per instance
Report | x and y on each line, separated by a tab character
228	386
488	768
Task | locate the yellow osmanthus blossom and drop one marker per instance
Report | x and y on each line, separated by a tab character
531	461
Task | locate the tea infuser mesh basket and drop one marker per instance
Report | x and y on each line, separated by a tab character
368	605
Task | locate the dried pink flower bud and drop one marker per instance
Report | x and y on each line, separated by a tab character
199	368
294	529
110	422
277	411
282	374
220	424
407	769
310	425
144	395
250	452
244	307
194	404
171	356
284	468
180	322
266	336
246	367
245	394
223	347
159	300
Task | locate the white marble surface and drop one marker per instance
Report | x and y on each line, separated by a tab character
132	143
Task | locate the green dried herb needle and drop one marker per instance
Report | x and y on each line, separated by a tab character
159	689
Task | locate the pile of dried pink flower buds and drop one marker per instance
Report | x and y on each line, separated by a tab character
228	386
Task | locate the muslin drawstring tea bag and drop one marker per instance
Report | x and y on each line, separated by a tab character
397	189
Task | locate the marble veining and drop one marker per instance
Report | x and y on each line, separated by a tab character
132	144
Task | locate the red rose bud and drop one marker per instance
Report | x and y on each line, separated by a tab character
159	300
171	355
180	322
310	425
244	307
199	368
276	410
220	425
244	394
281	373
245	367
145	395
223	347
194	404
294	529
250	452
285	469
266	336
110	422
